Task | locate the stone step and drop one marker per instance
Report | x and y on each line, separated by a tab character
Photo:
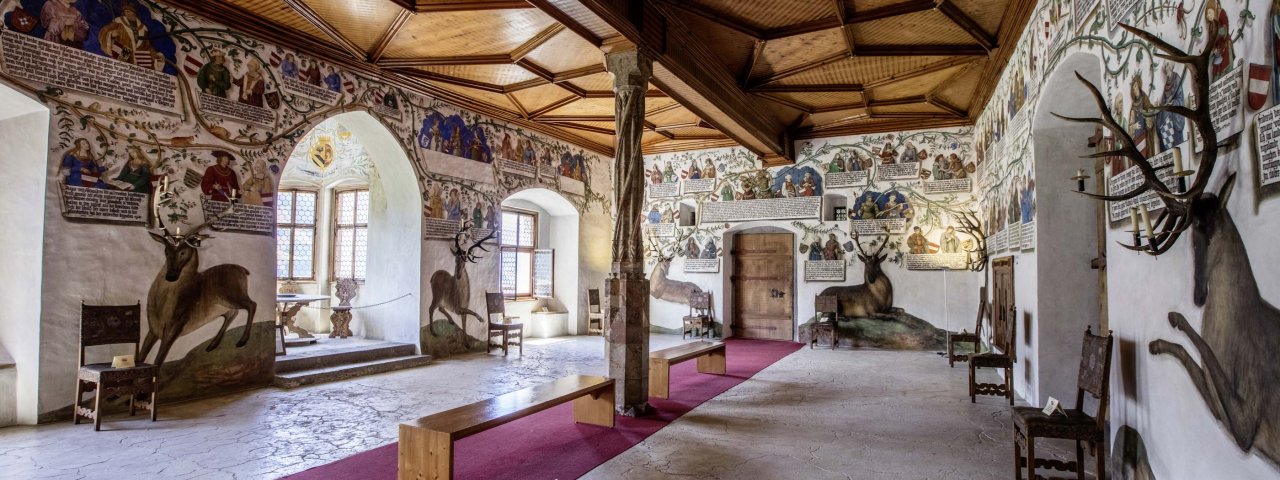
350	370
299	360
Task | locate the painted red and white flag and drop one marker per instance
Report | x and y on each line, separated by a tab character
1259	85
349	86
191	65
275	59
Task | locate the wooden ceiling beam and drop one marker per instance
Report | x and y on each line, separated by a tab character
845	18
840	108
552	106
419	6
390	34
959	50
579	72
786	102
663	109
798	69
844	10
745	76
947	107
919	99
530	83
921	71
851	126
444	61
574	89
575	118
802	28
436	77
585	128
537	41
699	136
609	94
514	101
309	14
812	88
536	69
912	115
568	21
718	18
894	10
949	9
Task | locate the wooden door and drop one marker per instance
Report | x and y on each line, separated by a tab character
1003	309
763	278
1100	262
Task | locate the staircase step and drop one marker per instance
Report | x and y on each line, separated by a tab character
330	357
350	370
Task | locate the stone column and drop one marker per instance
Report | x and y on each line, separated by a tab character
627	290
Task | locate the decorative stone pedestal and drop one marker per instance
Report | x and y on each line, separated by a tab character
627	336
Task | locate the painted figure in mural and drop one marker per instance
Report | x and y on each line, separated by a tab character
436	138
709	170
1015	202
748	191
888	156
1141	127
530	155
82	166
477	147
289	66
695	173
477	215
258	188
908	154
654	215
726	192
220	179
252	84
135	176
1027	206
831	250
333	81
63	23
668	215
808	188
868	210
893	208
1170	125
836	165
435	201
505	149
950	242
788	187
310	73
125	39
214	78
939	173
668	173
1223	49
815	250
691	249
710	250
855	162
453	206
490	219
456	146
762	185
916	243
655	175
958	168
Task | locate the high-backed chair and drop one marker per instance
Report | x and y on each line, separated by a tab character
595	314
974	338
698	322
828	310
508	331
1005	358
1030	423
111	325
345	290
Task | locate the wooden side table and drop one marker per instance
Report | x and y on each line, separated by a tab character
824	328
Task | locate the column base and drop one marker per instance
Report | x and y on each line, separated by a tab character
634	411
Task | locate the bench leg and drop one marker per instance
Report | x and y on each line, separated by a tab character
713	362
424	454
659	379
595	408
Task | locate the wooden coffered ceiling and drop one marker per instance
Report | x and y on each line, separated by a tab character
759	73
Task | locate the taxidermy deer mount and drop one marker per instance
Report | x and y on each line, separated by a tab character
452	291
660	286
1239	350
183	298
872	297
1177	216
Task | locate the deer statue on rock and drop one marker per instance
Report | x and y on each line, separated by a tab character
662	288
452	291
872	297
1239	343
183	298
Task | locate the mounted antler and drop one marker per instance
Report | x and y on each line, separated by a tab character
1176	217
857	241
469	253
194	237
971	225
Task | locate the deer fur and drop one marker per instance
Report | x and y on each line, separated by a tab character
1240	344
452	292
872	297
183	298
662	288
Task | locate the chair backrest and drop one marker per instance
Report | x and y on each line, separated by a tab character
699	302
826	304
494	304
982	311
1007	343
593	300
110	325
345	289
1095	370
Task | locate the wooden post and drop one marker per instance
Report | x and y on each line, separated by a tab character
424	454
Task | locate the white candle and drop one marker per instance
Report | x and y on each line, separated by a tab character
1146	221
1133	215
1080	173
178	231
1177	160
166	183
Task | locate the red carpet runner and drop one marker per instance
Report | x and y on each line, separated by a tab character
550	445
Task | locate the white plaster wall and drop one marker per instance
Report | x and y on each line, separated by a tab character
24	131
558	227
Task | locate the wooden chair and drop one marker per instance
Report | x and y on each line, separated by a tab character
974	338
511	333
699	318
345	290
828	310
110	325
595	314
1031	422
1005	358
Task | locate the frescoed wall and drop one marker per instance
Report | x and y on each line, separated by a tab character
145	98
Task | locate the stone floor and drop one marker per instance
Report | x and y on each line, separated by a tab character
815	414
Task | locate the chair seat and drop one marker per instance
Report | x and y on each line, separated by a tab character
505	326
964	337
98	371
697	318
1076	425
991	360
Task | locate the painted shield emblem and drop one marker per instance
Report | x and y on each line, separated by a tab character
322	152
1259	84
22	21
273	99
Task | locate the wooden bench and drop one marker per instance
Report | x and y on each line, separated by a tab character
426	445
710	357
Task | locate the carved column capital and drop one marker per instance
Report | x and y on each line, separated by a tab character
631	69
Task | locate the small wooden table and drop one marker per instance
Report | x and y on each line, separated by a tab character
290	303
426	445
710	355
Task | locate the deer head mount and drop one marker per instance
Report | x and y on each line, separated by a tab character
468	254
1177	216
971	225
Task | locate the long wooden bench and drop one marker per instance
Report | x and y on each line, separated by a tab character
426	445
710	357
